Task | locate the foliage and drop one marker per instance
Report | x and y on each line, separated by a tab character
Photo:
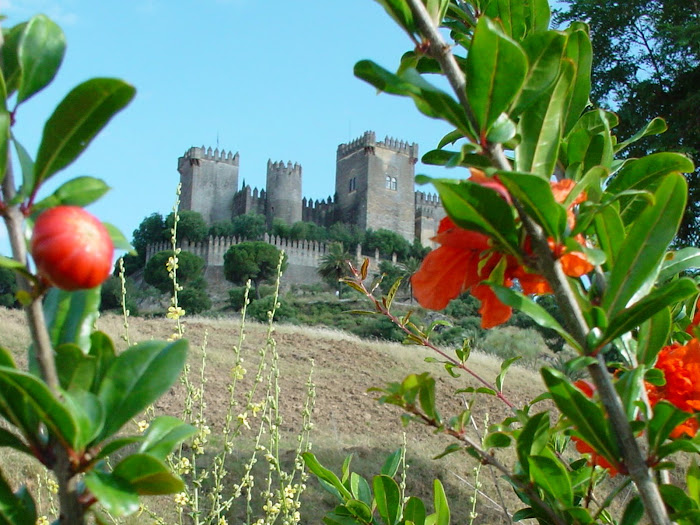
309	231
388	243
402	270
236	296
111	295
221	229
334	265
194	298
151	230
256	261
156	273
191	226
260	309
280	228
250	226
648	65
8	288
350	235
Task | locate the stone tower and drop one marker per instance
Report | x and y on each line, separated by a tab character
374	184
209	181
283	192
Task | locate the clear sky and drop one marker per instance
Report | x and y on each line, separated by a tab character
270	79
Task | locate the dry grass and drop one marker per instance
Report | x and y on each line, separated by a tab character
347	419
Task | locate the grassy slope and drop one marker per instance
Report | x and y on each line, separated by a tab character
346	418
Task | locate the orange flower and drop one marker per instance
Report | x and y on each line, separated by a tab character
681	367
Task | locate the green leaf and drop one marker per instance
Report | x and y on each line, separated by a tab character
510	14
11	70
164	433
693	482
118	239
116	495
102	351
79	191
414	511
40	53
540	127
75	369
653	336
76	121
629	388
496	69
16	508
579	50
27	165
71	316
391	465
88	414
520	302
551	476
5	123
533	438
633	512
610	232
629	318
537	15
644	247
505	365
666	417
544	52
655	127
679	261
426	396
497	440
148	475
474	207
25	401
590	141
401	13
442	508
117	444
360	488
326	475
584	414
535	194
388	498
138	377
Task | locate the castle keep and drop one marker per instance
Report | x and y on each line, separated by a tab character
374	188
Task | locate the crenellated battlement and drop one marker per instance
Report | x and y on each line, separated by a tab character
400	146
215	155
280	168
369	139
427	199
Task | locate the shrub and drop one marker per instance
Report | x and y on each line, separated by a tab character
194	300
254	260
156	273
259	309
190	225
236	296
8	288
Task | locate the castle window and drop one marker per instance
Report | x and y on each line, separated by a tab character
352	185
387	183
393	183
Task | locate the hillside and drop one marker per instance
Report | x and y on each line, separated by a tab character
346	418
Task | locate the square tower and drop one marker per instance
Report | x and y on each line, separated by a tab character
374	184
209	181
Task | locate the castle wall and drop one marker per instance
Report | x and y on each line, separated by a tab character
319	212
429	213
249	201
209	182
283	192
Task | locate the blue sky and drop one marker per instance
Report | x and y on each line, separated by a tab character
269	79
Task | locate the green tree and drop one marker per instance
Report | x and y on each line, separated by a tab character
8	288
254	260
150	230
189	269
222	229
194	298
334	265
388	243
308	231
190	225
349	234
648	65
280	228
250	226
401	270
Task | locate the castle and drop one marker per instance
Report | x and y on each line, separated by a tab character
374	188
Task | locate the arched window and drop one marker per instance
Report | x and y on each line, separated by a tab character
393	183
387	182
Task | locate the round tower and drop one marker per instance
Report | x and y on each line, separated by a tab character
283	192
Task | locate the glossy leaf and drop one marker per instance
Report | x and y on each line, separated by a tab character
79	191
102	351
580	51
9	439
148	475
584	414
11	70
544	52
629	388
475	207
360	488
360	510
76	121
40	53
118	239
391	465
71	316
610	232
540	127
535	195
28	401
521	302
442	508
590	141
693	482
645	245
16	508
655	127
653	336
505	366
137	377
510	14
632	317
117	444
495	70
164	433
401	13
388	498
533	438
75	369
679	261
666	418
116	495
326	475
6	358
27	165
537	15
551	476
88	414
414	511
634	511
4	141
